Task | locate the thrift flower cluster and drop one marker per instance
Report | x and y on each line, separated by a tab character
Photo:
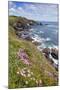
23	56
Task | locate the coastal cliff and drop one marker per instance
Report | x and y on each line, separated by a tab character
27	65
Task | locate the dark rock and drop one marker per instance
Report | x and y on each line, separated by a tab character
20	26
54	53
46	24
24	35
28	38
36	43
41	23
46	52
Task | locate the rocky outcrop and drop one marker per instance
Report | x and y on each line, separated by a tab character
24	35
36	43
46	52
21	27
41	23
54	53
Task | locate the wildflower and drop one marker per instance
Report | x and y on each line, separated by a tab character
17	72
40	81
36	82
23	56
28	71
33	78
29	75
22	72
26	82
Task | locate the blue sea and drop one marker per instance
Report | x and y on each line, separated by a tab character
46	34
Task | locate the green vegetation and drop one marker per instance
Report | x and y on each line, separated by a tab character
44	74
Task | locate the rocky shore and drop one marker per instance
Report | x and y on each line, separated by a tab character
22	29
52	56
28	67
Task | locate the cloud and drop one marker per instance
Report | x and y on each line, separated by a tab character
35	11
11	5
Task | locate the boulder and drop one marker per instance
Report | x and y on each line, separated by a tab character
46	52
41	23
54	53
21	26
28	38
36	43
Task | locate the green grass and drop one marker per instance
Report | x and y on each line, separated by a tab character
39	65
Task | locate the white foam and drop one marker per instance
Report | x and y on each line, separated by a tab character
31	29
48	39
41	32
36	38
45	39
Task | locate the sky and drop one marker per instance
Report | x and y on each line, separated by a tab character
34	11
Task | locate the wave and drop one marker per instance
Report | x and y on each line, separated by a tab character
40	39
43	45
31	29
41	32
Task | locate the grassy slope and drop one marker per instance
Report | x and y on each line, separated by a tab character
38	67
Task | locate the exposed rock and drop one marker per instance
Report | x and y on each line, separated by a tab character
21	27
41	23
46	52
54	53
24	35
36	43
28	38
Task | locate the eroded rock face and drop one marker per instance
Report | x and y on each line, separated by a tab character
36	43
22	30
46	52
54	53
24	35
20	27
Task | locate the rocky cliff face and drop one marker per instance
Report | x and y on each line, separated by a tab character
52	55
28	67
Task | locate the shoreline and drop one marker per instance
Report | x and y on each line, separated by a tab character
23	31
53	61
